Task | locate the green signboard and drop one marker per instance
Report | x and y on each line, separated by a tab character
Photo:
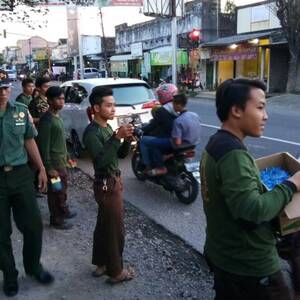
164	58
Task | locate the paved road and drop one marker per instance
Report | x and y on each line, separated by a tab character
188	222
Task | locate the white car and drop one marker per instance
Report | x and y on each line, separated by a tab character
133	97
12	75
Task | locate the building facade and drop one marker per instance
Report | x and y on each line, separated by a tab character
145	49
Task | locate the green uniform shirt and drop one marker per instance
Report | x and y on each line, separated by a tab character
37	105
239	233
51	142
22	98
15	127
104	148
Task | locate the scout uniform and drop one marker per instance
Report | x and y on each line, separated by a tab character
25	99
240	243
38	106
105	149
17	192
53	150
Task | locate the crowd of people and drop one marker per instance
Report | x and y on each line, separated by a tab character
240	246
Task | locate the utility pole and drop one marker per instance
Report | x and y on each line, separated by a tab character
174	41
107	71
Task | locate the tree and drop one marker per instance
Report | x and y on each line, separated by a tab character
288	12
24	10
229	7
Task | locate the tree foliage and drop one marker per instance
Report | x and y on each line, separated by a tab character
25	10
229	7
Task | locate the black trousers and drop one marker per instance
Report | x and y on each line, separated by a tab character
17	196
236	287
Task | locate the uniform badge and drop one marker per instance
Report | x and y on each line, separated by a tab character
21	115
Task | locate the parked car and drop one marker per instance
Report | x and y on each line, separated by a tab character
12	75
88	73
132	96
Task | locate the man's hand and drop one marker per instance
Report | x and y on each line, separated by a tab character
296	180
53	174
125	131
43	180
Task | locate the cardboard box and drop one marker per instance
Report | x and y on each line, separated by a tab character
289	219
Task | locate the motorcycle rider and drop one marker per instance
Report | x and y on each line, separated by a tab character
186	131
160	126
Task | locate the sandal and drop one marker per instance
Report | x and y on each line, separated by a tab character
126	275
99	272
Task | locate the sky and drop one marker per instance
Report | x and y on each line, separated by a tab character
89	19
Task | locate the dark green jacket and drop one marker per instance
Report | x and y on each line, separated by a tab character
51	142
239	233
22	98
104	148
15	128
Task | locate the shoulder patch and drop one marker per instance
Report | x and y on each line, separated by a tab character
222	143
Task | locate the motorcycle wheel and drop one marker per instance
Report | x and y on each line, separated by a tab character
189	195
137	167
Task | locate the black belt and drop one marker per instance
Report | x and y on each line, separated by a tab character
100	175
8	168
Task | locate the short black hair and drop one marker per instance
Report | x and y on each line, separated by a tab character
54	92
235	92
180	99
98	93
26	81
40	81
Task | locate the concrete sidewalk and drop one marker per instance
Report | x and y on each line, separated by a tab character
289	102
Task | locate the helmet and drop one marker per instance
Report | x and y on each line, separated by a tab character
166	92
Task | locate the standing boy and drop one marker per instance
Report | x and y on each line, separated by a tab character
52	145
39	105
105	148
26	96
17	194
240	245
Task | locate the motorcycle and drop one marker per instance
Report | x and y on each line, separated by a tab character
178	179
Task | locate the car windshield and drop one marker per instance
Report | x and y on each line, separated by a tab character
132	94
10	72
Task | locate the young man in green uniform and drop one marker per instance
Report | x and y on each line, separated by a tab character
105	148
17	193
39	105
53	149
26	96
240	244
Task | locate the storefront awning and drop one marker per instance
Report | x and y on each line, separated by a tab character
124	57
236	39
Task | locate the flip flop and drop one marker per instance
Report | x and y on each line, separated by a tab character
129	275
97	274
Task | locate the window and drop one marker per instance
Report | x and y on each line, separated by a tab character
94	70
87	70
76	94
132	94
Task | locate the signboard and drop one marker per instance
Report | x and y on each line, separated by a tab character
162	8
39	54
164	58
102	3
240	53
119	66
137	50
91	44
72	23
59	53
